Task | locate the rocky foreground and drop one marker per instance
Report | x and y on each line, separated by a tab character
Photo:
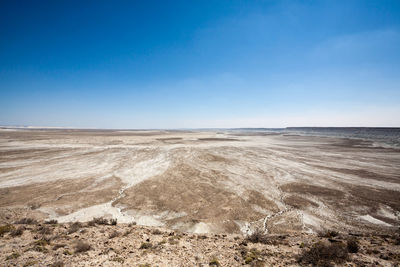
102	242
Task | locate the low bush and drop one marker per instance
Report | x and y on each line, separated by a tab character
156	232
99	221
57	264
323	254
214	262
113	221
13	256
6	228
146	245
329	234
74	227
26	221
18	231
82	246
51	222
258	237
114	234
352	245
44	230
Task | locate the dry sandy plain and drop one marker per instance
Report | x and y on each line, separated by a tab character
200	182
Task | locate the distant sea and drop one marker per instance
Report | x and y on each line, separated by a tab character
380	136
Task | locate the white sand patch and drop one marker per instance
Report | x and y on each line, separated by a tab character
102	210
373	220
200	228
311	222
387	212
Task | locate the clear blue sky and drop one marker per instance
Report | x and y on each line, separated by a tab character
184	64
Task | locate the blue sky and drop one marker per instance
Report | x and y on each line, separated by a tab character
189	64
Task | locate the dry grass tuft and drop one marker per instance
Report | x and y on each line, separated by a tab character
27	221
114	234
352	245
57	264
258	237
156	232
13	256
17	232
82	246
74	227
146	245
98	221
6	228
322	254
328	234
44	230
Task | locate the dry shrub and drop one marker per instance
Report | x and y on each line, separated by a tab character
156	232
26	221
6	228
322	254
146	245
44	230
113	221
328	234
114	234
214	262
352	245
13	256
51	222
82	246
57	264
258	237
40	245
17	232
74	227
99	221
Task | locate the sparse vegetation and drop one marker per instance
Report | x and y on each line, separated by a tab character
114	234
6	228
30	263
214	262
323	254
329	234
67	252
146	245
258	236
51	222
156	232
26	221
102	221
82	246
40	245
57	264
118	259
14	255
44	230
18	231
74	227
352	245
